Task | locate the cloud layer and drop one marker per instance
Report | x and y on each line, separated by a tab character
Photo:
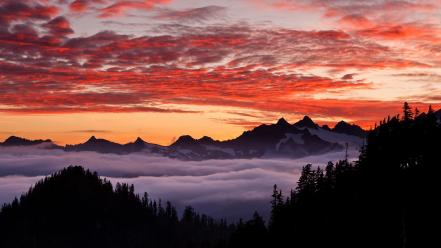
222	188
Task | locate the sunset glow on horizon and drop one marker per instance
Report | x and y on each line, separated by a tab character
158	69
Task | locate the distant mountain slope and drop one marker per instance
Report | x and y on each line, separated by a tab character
97	145
18	141
350	129
104	146
306	122
281	139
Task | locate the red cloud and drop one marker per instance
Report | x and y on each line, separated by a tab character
82	5
191	15
71	90
59	26
268	69
142	72
407	31
110	8
391	18
355	21
20	11
235	46
120	7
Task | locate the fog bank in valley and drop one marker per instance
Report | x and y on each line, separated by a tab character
221	188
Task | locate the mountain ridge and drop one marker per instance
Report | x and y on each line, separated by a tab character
282	139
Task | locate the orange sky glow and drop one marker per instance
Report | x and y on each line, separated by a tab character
159	69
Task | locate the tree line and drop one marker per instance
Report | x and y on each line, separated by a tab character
76	208
389	197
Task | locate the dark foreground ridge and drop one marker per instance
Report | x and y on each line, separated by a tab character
388	198
76	208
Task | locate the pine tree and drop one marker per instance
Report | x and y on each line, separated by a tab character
417	112
407	112
277	197
306	181
430	111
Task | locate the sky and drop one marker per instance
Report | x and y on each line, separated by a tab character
158	69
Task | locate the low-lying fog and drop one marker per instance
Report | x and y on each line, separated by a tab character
220	188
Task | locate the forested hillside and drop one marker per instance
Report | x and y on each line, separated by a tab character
390	197
76	208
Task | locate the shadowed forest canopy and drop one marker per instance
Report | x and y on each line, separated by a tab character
76	208
388	198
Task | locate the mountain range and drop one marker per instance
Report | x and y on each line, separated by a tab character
281	139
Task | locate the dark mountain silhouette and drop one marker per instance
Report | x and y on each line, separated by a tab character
98	145
136	146
207	141
18	141
185	140
350	129
76	208
275	140
188	148
282	122
104	146
281	139
306	122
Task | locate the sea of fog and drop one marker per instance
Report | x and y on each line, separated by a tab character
221	188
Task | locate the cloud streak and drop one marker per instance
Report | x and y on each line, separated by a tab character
114	8
193	15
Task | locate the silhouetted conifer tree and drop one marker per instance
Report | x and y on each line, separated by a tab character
407	112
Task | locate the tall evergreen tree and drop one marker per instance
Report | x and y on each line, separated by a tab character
407	112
